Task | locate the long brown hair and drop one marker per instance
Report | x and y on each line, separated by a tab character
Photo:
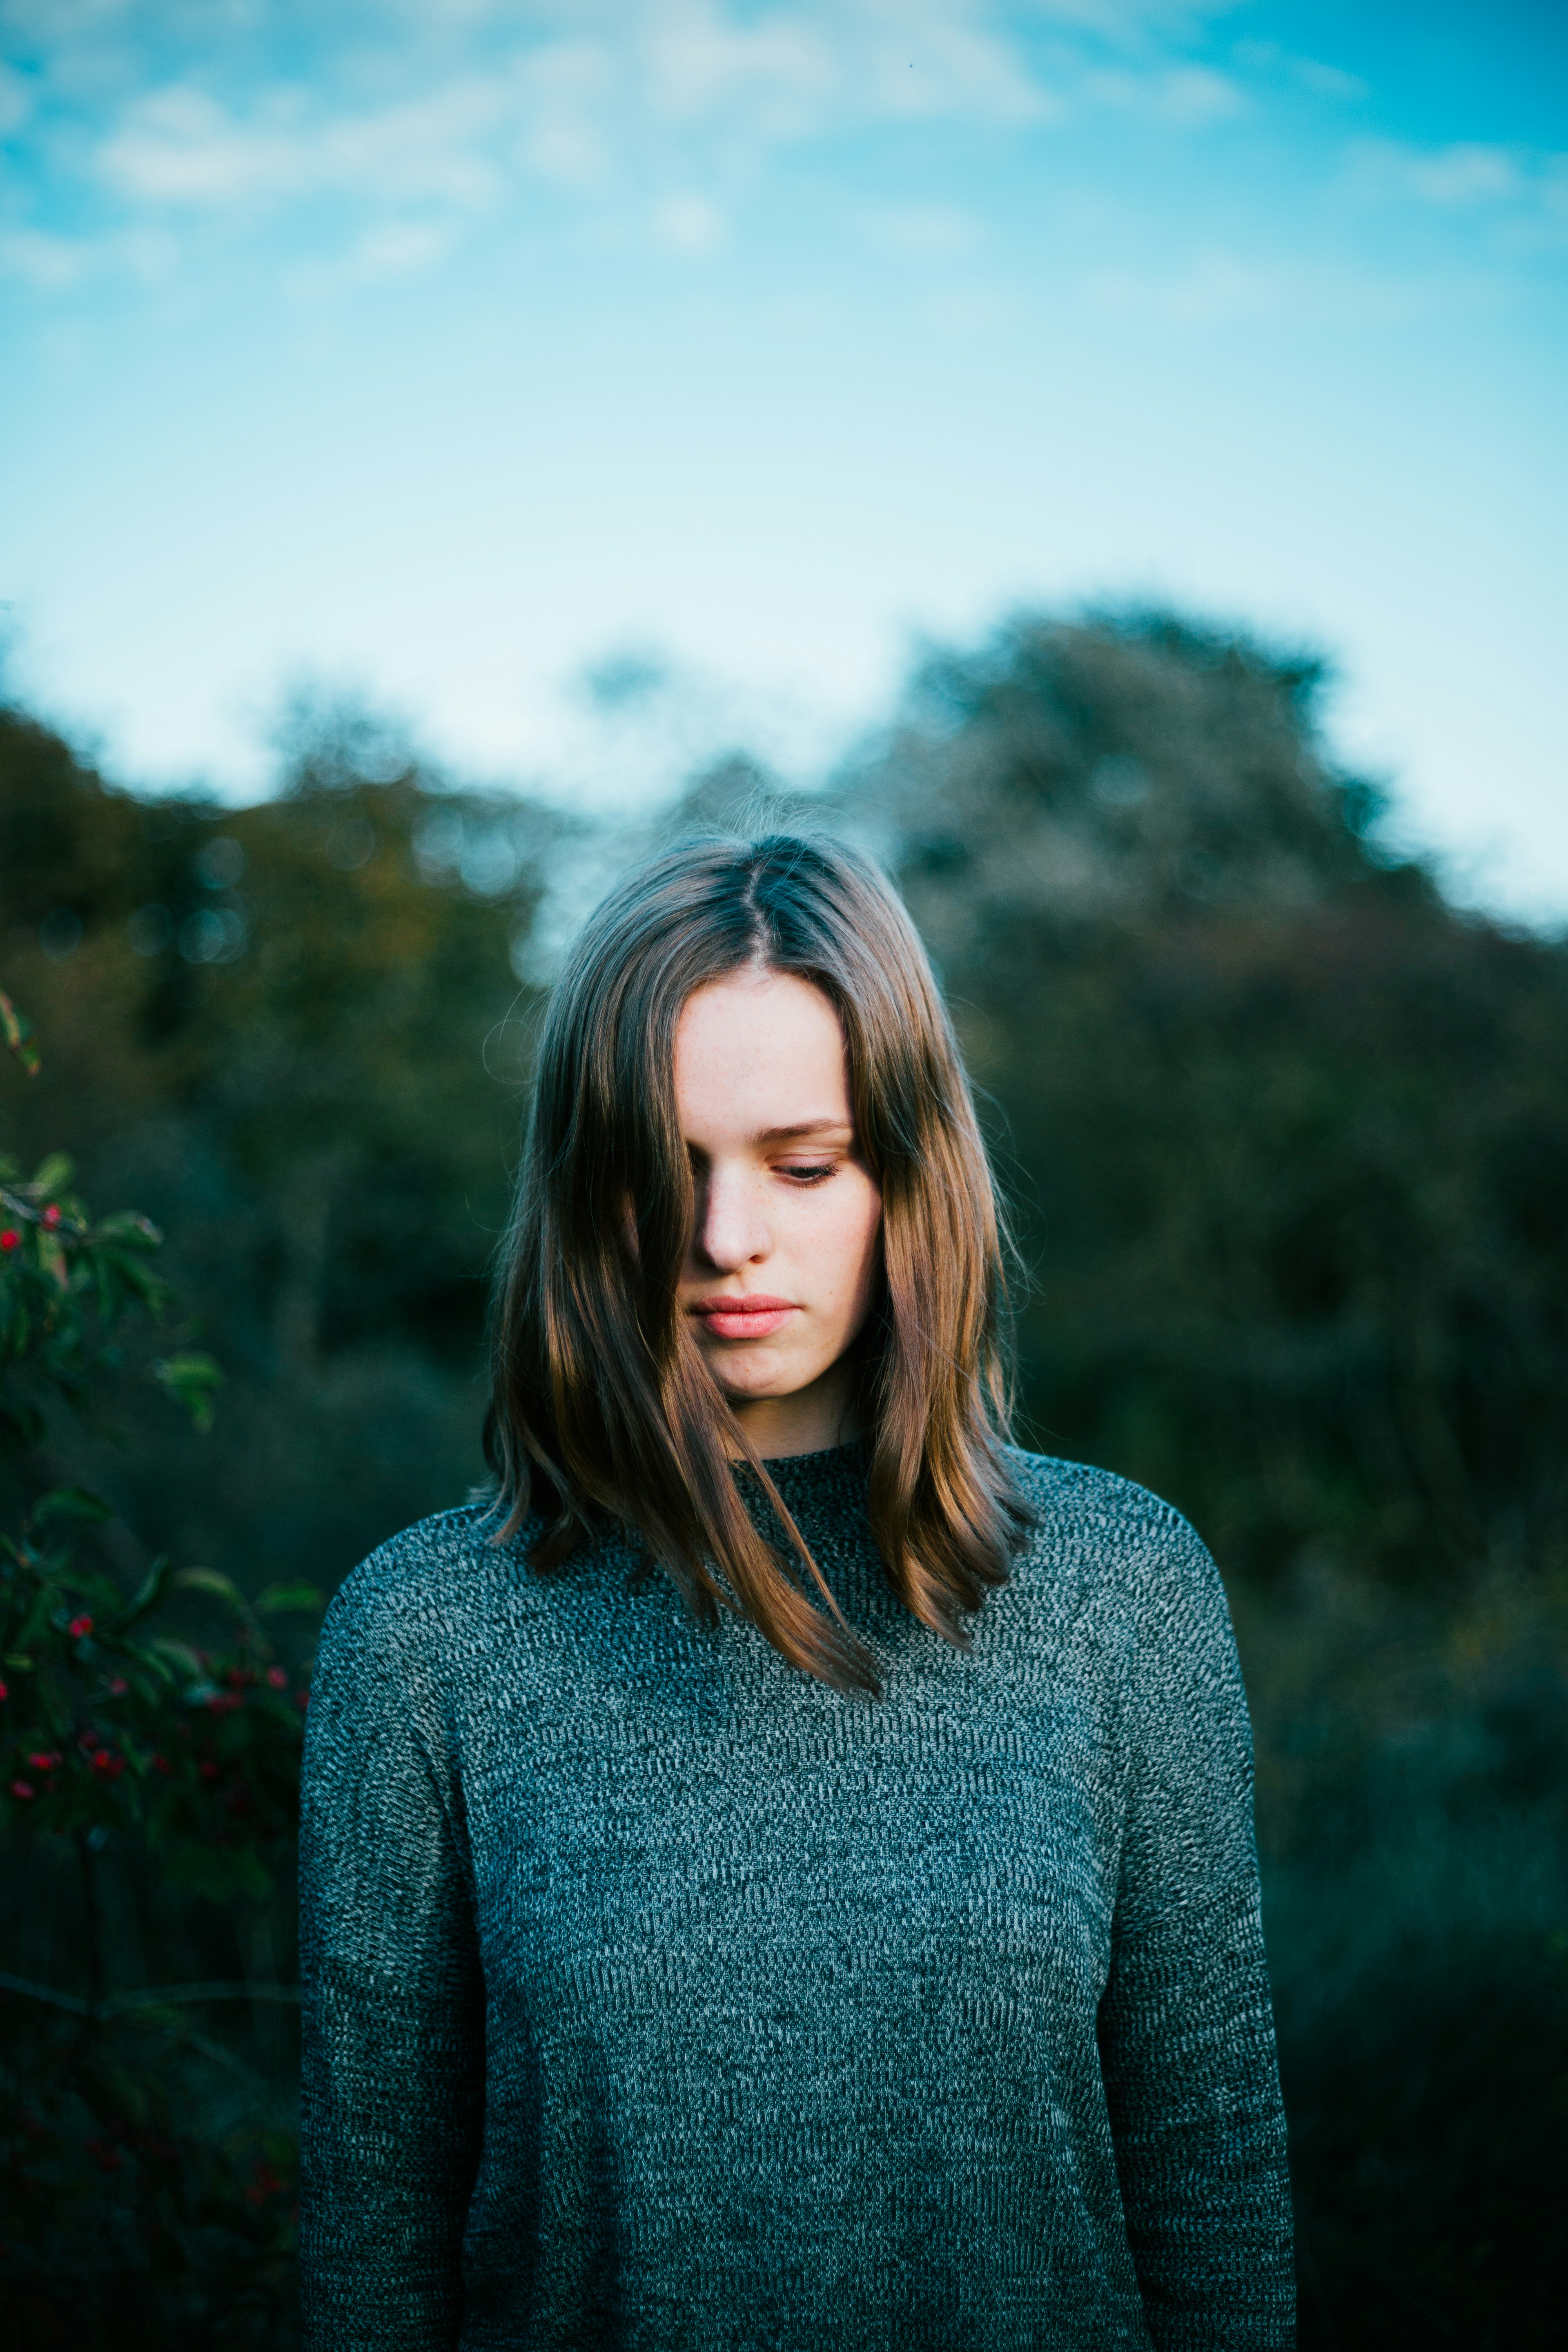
601	1406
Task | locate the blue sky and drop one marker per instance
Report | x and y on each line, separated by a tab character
441	349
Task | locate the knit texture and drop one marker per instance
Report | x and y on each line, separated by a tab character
658	1996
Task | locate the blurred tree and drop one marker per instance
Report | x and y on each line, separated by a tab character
295	1032
1286	1131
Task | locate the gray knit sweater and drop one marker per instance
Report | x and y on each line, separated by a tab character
658	1996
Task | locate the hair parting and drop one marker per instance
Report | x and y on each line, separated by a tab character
602	1407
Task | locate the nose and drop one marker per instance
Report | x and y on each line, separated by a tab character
731	1227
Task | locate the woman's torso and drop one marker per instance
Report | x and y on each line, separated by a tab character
790	1996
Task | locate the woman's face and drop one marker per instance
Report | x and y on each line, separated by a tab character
783	1261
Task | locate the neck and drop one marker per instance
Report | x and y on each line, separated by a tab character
810	1421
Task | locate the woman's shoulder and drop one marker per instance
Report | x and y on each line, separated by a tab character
1110	1538
424	1580
1060	1489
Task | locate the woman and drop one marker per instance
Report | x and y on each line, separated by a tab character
784	1875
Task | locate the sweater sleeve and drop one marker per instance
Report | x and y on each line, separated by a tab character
392	2089
1186	2026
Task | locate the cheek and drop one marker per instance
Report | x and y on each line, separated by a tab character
845	1254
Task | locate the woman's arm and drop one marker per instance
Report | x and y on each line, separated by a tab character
1186	2027
393	2106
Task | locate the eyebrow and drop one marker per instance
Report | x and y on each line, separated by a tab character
805	1126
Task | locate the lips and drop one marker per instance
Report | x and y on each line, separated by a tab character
747	1317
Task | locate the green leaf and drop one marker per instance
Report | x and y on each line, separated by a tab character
148	1593
150	1674
69	1503
211	1580
52	1176
152	1688
17	1032
129	1229
280	1599
190	1379
100	1593
180	1655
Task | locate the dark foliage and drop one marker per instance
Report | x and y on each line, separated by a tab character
1288	1133
292	1034
147	1788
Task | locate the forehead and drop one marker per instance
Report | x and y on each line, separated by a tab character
759	1049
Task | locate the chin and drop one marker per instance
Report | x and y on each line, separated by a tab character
761	1392
762	1384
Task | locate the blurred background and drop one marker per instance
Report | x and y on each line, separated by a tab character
1103	456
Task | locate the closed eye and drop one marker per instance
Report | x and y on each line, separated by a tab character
802	1171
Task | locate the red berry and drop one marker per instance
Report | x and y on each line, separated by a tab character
79	1628
23	1789
276	1677
43	1761
161	1764
207	1770
118	1686
5	1690
10	1239
51	1217
108	1767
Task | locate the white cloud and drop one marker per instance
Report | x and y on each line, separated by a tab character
1308	73
208	133
400	249
1465	174
1134	24
1218	289
700	61
1329	81
17	98
689	224
935	59
565	93
1523	191
173	113
1212	289
221	115
52	263
179	146
392	251
924	232
1186	97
